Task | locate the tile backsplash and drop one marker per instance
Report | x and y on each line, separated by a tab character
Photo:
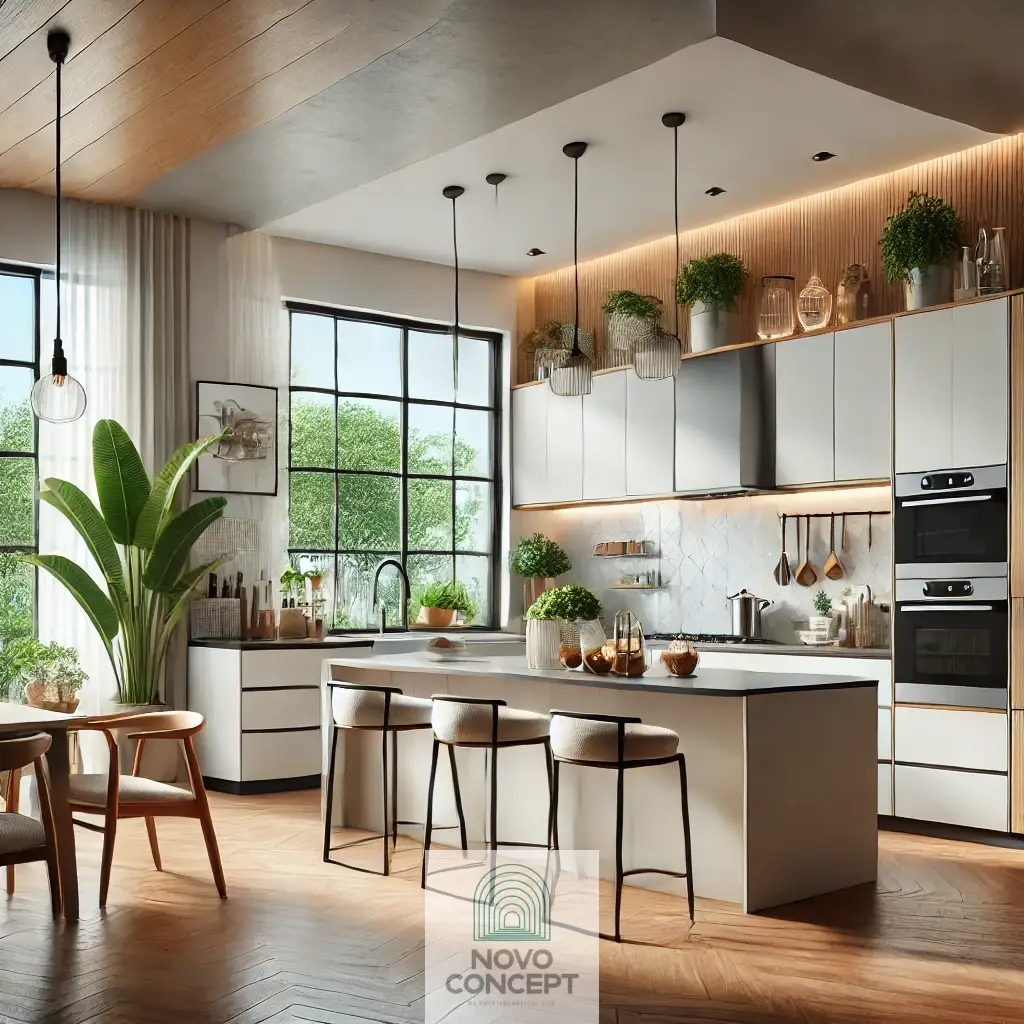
707	550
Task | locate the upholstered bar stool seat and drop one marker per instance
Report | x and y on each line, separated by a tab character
574	739
19	832
364	709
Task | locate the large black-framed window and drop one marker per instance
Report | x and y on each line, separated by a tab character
19	447
389	458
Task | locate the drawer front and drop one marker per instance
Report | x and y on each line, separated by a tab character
953	739
953	798
280	755
292	667
280	709
884	734
885	789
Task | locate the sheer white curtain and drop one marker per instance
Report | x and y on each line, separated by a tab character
124	317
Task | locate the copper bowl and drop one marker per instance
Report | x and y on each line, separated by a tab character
680	663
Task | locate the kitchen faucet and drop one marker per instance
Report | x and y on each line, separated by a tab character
382	619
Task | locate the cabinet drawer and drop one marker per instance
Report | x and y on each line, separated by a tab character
884	734
293	667
280	755
953	798
280	709
954	739
885	789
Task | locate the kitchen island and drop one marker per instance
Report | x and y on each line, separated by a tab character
782	771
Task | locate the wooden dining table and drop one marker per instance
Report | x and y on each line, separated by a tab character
19	718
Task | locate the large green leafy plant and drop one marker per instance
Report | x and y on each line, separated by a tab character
538	556
628	303
926	232
572	603
715	280
142	548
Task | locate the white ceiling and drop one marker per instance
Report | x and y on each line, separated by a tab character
753	122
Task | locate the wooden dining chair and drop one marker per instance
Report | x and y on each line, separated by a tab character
24	840
117	796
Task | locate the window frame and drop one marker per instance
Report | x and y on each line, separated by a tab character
403	401
36	274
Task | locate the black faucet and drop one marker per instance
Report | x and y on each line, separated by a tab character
405	592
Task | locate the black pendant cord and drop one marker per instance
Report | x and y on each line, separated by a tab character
675	216
58	345
575	251
453	192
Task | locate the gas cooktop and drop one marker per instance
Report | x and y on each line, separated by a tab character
709	638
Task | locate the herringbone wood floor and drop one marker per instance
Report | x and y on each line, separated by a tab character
941	939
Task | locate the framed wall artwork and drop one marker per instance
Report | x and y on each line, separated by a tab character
245	461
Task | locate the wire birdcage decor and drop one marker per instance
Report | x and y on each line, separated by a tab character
658	358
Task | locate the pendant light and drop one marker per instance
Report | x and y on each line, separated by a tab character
572	374
453	192
58	397
660	357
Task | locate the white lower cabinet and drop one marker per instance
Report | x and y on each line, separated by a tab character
885	789
952	739
884	734
971	799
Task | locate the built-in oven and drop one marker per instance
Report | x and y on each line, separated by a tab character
950	642
951	523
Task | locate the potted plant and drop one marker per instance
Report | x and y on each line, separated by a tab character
552	626
822	622
315	577
293	585
710	285
141	546
917	244
47	676
440	601
632	318
538	560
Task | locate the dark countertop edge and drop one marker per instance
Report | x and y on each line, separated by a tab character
801	650
679	687
279	645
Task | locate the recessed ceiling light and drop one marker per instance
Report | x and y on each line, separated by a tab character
535	252
714	191
822	155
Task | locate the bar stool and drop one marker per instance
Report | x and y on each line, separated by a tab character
491	725
385	709
621	743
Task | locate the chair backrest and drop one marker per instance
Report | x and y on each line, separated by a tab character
150	723
22	751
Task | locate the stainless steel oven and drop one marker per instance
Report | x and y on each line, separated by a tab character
950	642
951	523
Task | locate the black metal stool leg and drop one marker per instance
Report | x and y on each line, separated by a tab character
618	850
554	804
686	832
494	797
428	825
385	832
549	764
458	798
330	794
394	790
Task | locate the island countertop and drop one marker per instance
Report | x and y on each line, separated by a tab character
708	682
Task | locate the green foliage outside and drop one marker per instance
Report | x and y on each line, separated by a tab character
538	556
629	303
714	280
925	233
17	522
24	659
369	507
572	603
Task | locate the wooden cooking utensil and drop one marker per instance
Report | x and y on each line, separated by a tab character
782	569
842	539
833	567
806	575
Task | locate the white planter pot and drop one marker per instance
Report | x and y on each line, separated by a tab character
712	327
543	638
160	758
929	286
823	624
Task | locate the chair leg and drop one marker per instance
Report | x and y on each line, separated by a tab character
618	851
428	824
686	832
394	790
463	835
109	832
386	798
46	813
549	764
11	801
330	794
494	798
199	790
154	844
554	804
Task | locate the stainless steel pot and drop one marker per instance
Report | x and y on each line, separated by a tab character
746	614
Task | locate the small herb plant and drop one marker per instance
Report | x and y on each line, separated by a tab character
572	603
633	304
537	556
714	280
450	595
926	232
26	659
314	574
292	579
822	603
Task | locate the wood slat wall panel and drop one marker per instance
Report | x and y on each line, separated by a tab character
819	234
1017	449
1017	771
1017	653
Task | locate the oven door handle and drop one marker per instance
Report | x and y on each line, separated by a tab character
962	500
946	608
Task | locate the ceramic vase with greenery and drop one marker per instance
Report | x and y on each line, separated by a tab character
538	560
822	622
553	626
44	675
710	286
631	319
918	244
439	603
141	546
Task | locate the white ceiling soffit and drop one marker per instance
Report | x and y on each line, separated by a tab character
752	123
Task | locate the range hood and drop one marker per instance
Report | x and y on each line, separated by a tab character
725	423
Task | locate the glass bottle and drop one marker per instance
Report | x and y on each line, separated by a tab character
966	284
814	305
776	319
998	262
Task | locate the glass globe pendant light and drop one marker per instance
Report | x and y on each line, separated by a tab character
572	374
660	357
58	397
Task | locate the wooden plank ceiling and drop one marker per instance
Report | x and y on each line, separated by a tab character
151	84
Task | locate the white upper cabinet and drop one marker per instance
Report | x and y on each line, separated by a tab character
950	387
650	435
564	448
804	411
863	402
529	444
604	437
